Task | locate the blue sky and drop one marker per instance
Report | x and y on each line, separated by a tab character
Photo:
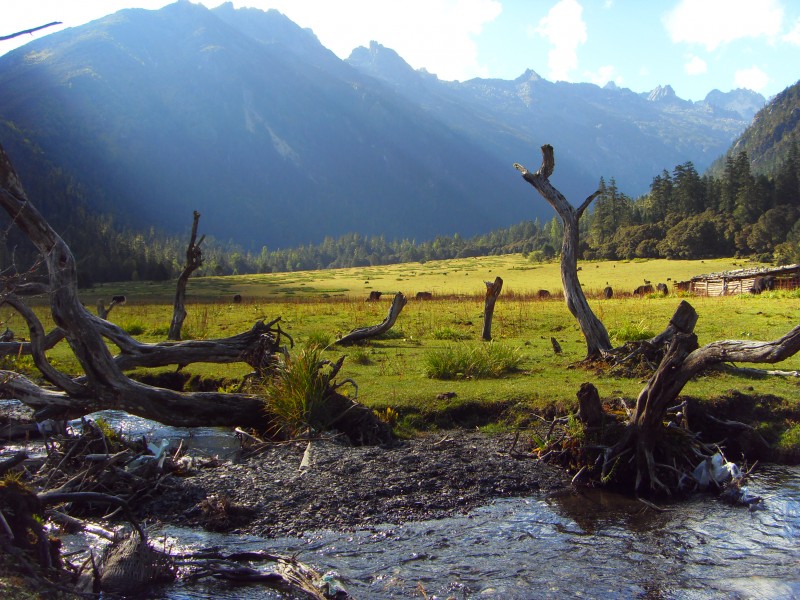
693	45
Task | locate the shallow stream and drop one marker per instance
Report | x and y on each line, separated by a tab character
590	544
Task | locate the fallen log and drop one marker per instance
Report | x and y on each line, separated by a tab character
365	333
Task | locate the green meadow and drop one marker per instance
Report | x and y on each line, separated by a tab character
442	278
320	306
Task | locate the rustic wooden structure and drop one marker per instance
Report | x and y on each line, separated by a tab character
740	281
595	333
493	289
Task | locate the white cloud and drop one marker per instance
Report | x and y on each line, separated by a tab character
435	34
793	37
603	75
565	29
695	65
712	23
753	79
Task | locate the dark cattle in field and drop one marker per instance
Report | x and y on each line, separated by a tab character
424	296
643	289
118	299
237	298
762	284
542	294
608	292
374	296
661	288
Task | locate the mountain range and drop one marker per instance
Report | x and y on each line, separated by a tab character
247	118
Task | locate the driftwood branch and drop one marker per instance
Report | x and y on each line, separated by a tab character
364	333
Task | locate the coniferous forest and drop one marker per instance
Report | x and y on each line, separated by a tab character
683	216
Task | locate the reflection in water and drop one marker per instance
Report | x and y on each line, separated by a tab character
596	545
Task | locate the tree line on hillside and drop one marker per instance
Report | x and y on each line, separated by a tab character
683	216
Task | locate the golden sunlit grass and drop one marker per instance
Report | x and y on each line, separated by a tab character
391	372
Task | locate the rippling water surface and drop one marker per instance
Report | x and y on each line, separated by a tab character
589	544
592	545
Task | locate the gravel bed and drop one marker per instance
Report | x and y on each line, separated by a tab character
433	476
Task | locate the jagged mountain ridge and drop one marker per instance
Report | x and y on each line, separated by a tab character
246	117
611	131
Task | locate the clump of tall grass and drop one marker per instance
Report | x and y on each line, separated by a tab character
631	332
361	356
472	361
448	333
321	339
133	327
297	396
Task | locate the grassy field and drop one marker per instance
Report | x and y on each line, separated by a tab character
391	372
442	278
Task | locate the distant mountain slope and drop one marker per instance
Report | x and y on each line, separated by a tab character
607	131
768	139
246	117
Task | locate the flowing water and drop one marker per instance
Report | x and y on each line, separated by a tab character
590	544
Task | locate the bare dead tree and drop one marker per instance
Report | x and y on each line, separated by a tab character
28	31
595	333
194	260
492	292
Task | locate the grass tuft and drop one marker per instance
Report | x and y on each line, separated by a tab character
631	332
472	361
297	395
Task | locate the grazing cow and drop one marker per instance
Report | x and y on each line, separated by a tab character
118	299
424	296
643	289
608	292
661	288
541	294
237	298
374	296
762	284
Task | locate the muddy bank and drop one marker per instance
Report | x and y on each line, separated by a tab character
433	476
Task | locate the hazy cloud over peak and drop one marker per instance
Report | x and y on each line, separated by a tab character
695	65
565	29
752	79
712	23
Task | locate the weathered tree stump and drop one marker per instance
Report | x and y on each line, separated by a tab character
492	292
590	411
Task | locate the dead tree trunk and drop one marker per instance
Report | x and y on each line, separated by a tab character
597	340
364	333
104	385
492	292
645	431
194	260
